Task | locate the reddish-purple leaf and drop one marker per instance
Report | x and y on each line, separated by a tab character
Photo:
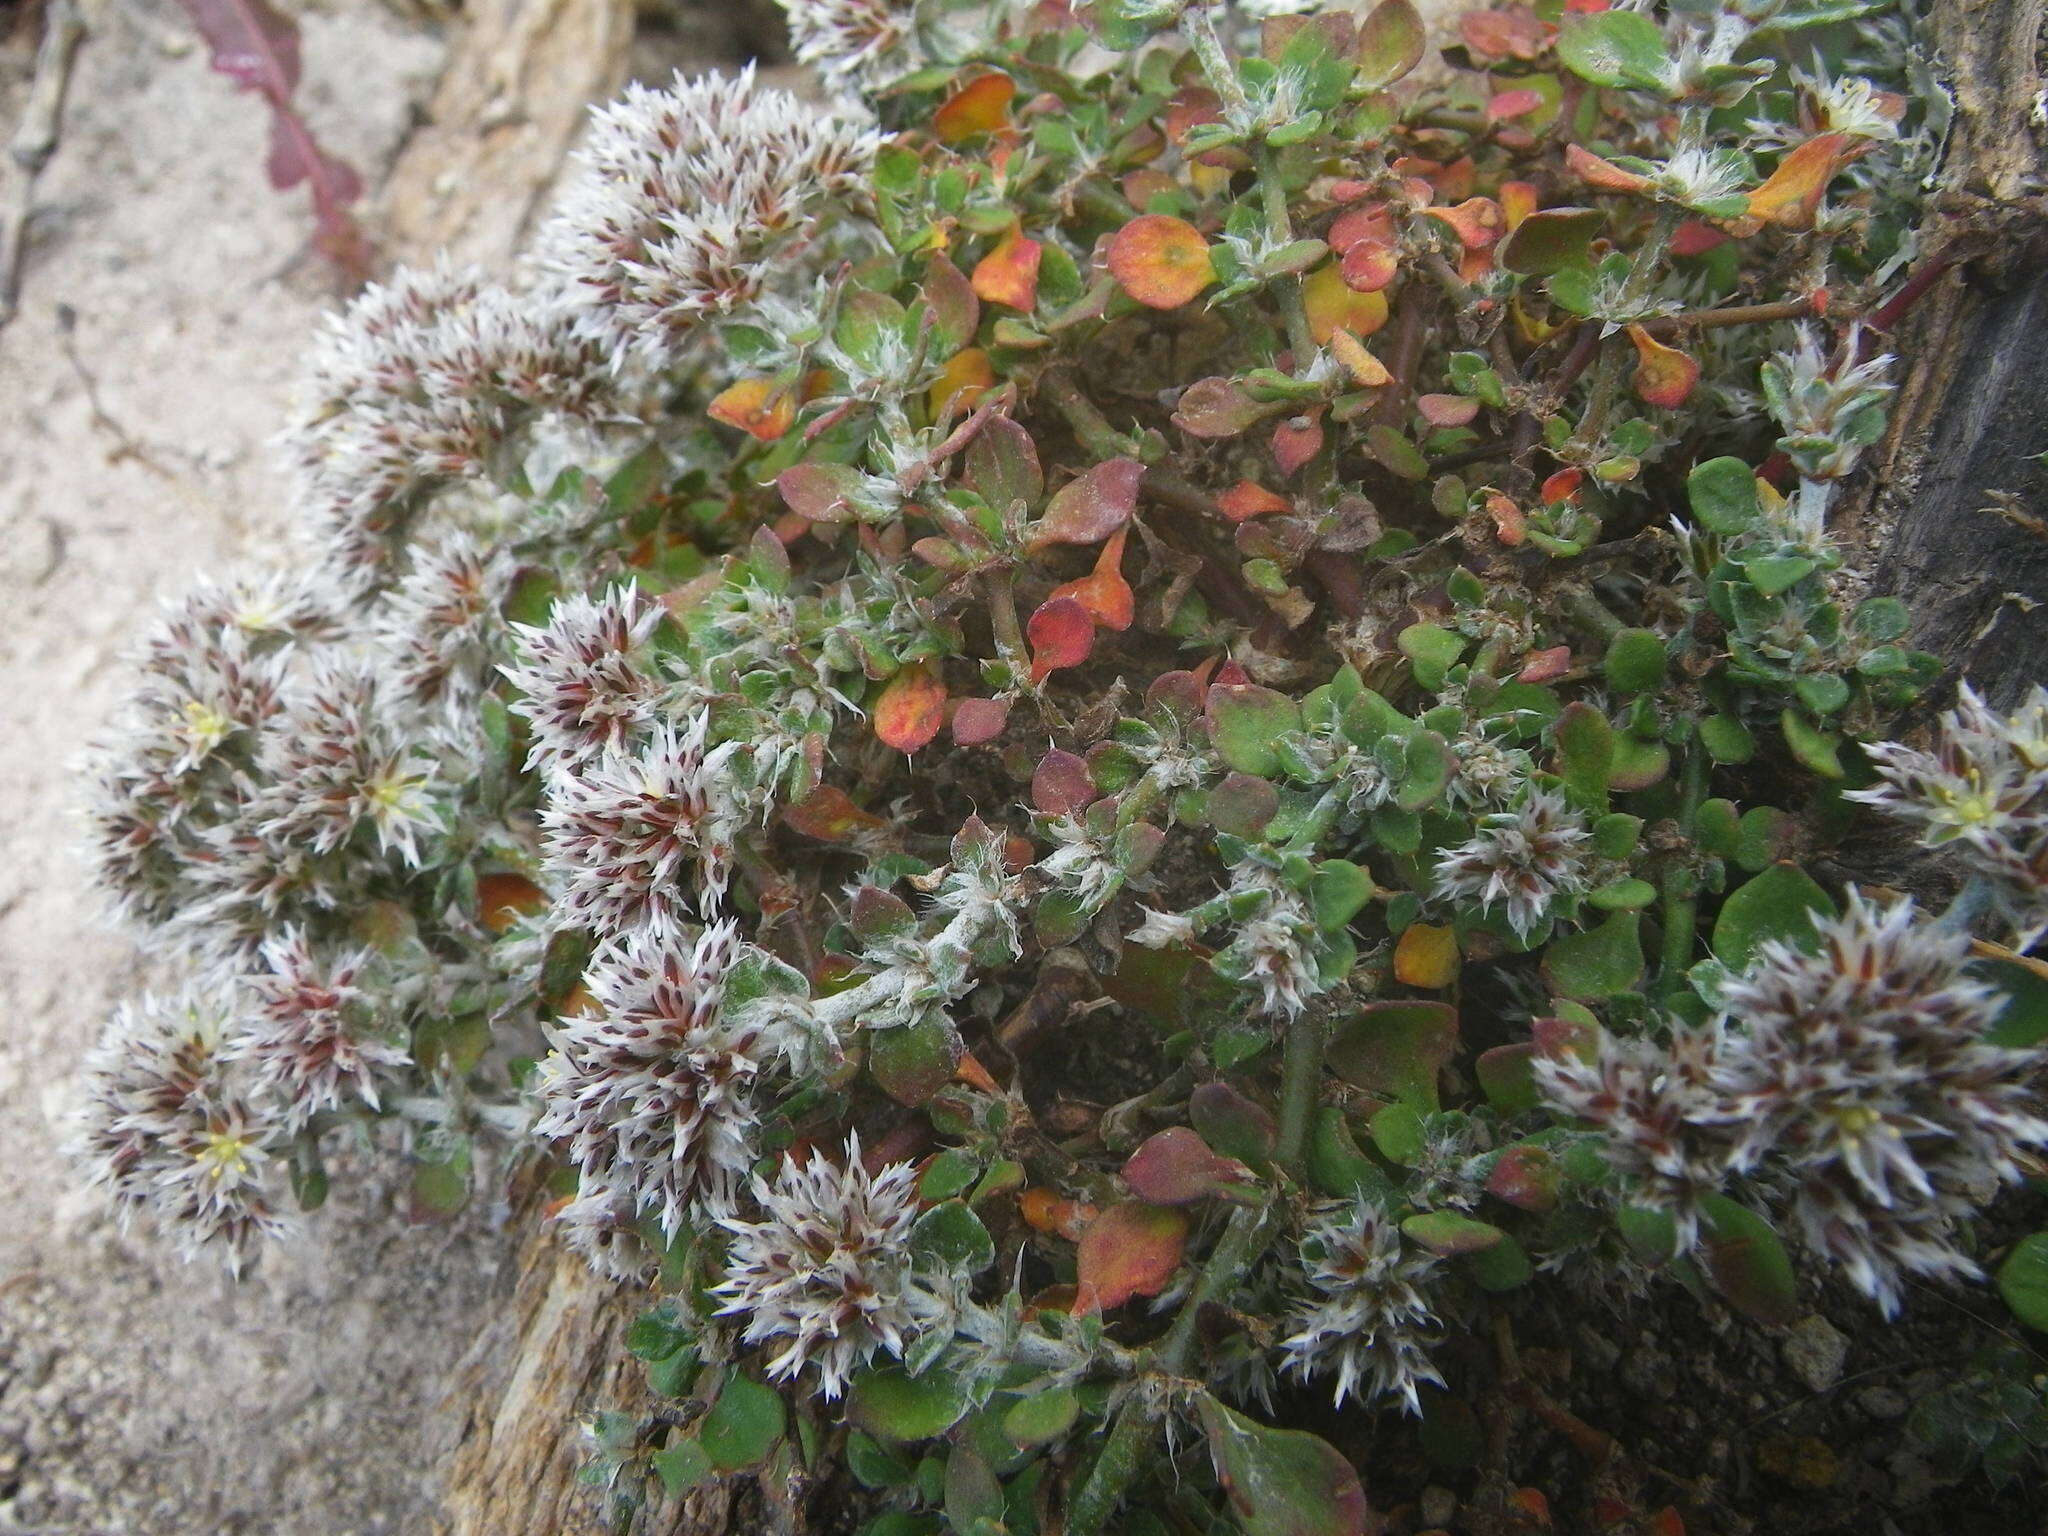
1061	784
979	720
1526	1177
257	48
1216	408
1297	440
1176	1167
1090	509
821	492
1232	1123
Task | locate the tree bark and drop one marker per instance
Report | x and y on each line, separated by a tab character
1969	417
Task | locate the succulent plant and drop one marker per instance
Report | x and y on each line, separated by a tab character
1098	728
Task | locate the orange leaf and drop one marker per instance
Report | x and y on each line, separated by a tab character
911	709
1370	265
1297	440
1426	956
1131	1249
1104	592
1545	666
978	107
1518	199
1044	1211
501	900
763	407
961	382
1366	371
1562	485
829	814
1664	375
1508	520
1160	261
1062	633
1477	222
1249	499
1791	196
1604	174
1334	306
1372	223
1009	273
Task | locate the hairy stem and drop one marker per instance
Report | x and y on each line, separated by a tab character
1280	231
1301	1076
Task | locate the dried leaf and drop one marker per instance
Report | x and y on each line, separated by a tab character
763	408
1089	509
1664	375
1009	273
1131	1249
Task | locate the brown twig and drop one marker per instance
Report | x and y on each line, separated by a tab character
35	140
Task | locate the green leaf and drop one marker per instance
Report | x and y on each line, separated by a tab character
1391	42
1244	720
2023	1023
1813	747
1397	1132
915	1061
1777	904
1447	1234
1395	1049
1599	962
1585	743
1339	890
1282	1482
683	1466
1502	1267
1747	1261
1773	575
1881	619
2023	1280
1723	495
1635	660
952	1238
1432	650
892	1406
1550	240
1727	739
1043	1417
1614	48
743	1425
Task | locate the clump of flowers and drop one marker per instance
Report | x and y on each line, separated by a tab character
1081	739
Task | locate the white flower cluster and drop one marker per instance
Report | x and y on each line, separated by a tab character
827	1275
1983	788
685	200
857	45
1855	1079
1522	861
1367	1318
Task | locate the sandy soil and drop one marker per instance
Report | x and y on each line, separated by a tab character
138	1394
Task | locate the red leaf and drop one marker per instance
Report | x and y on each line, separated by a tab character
829	814
1297	440
1448	410
1090	509
258	49
979	720
1177	1167
1061	634
1061	784
911	709
1129	1250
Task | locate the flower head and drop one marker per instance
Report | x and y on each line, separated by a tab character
586	675
1521	860
1367	1318
312	1031
681	197
652	1091
827	1273
855	44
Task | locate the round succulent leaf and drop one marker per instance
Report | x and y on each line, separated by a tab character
743	1425
1282	1482
1161	261
1778	904
1177	1167
952	1239
1244	720
1042	1418
1747	1261
894	1406
914	1061
1597	962
2023	1280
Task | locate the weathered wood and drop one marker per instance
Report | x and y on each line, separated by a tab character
1969	414
520	79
